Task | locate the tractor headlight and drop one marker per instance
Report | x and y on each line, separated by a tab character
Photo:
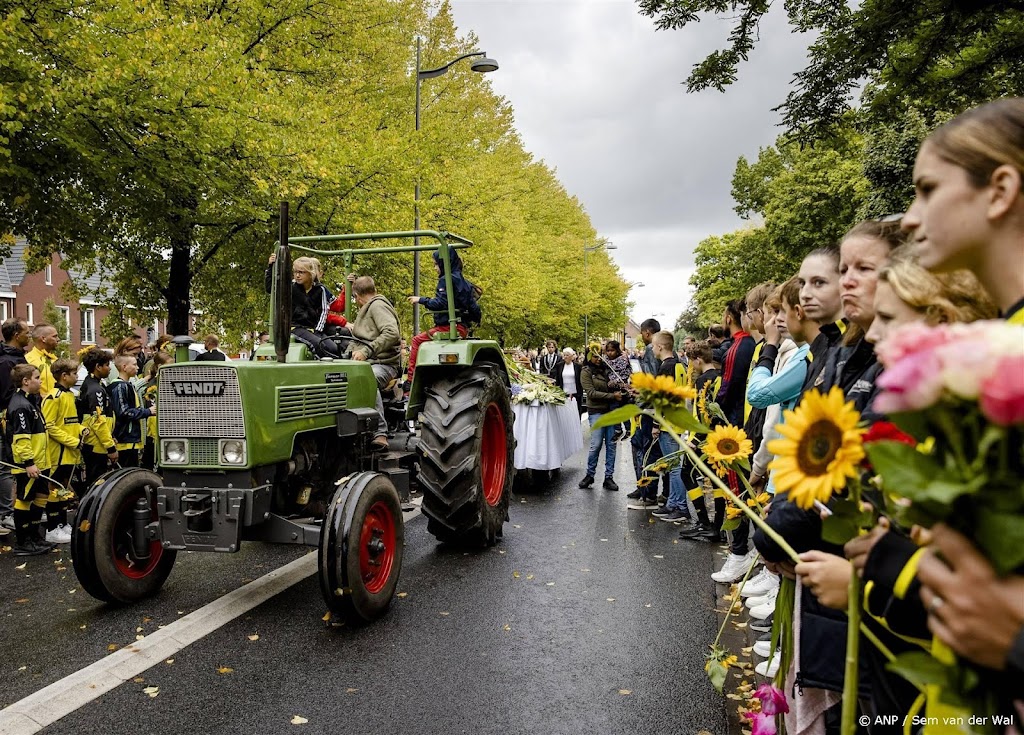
174	451
232	451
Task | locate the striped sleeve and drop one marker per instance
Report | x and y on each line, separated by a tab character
325	306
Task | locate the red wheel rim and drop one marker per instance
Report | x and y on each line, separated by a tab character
377	547
121	542
493	455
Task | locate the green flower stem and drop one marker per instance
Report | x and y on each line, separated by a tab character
717	481
735	599
848	723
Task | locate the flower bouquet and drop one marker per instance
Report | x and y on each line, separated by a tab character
958	391
529	387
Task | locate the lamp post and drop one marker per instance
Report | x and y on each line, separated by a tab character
482	65
587	249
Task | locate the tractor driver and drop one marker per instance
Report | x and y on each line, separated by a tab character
377	324
310	302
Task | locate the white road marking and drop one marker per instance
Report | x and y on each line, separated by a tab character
51	703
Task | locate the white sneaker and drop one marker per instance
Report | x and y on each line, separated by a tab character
761	612
60	535
769	668
760	585
764	649
733	569
8	521
766	598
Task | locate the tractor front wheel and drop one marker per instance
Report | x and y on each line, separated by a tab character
466	456
361	547
103	549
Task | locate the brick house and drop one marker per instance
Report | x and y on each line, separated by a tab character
24	294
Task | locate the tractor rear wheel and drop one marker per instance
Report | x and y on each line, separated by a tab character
466	456
361	547
102	546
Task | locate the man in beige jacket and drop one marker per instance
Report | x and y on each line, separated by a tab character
377	324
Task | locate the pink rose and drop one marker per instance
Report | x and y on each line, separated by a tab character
1002	394
761	724
965	365
910	384
911	339
773	700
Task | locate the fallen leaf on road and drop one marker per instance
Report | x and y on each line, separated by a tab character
112	647
327	617
516	526
169	661
138	630
584	570
21	600
22	668
351	690
611	599
254	637
71	592
151	691
604	539
529	576
506	627
515	574
138	680
746	651
139	637
625	692
402	594
299	720
147	619
675	541
659	556
647	605
61	569
225	670
501	551
740	625
550	584
81	627
446	613
21	566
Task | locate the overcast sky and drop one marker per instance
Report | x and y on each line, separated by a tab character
598	95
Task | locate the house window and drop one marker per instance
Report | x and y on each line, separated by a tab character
3	311
49	275
30	314
65	312
88	326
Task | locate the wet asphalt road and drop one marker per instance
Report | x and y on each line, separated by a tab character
587	618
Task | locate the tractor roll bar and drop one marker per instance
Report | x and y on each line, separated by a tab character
281	321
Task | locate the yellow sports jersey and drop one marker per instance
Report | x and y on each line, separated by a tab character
26	432
43	361
62	427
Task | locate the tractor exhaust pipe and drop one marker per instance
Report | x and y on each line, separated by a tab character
281	328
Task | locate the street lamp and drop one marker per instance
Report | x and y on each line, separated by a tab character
482	65
587	249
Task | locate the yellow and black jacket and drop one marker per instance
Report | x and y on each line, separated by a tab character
26	432
63	426
43	361
97	416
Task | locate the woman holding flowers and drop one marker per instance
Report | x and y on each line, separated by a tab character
969	213
594	378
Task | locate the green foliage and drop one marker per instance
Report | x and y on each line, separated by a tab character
922	51
55	318
152	142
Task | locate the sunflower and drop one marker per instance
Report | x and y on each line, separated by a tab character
760	501
727	444
661	390
821	448
733	512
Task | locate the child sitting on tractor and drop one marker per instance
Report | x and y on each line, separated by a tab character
465	295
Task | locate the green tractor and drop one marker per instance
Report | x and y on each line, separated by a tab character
277	449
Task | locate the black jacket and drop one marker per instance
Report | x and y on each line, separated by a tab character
9	357
309	310
129	415
212	355
556	375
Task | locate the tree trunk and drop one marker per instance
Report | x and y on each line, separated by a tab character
179	284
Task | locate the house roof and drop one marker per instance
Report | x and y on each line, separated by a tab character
13	271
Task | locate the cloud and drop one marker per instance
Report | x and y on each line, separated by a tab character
598	95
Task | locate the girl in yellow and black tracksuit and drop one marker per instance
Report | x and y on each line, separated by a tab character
26	433
64	429
99	450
